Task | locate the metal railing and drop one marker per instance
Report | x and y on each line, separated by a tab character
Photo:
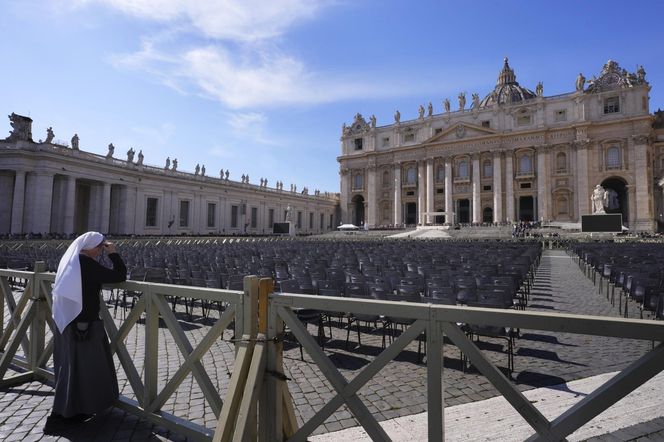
257	404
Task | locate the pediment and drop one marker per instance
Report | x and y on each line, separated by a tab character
461	131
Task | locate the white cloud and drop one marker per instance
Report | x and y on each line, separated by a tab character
239	63
237	20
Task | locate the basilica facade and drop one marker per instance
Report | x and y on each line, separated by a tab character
513	155
50	187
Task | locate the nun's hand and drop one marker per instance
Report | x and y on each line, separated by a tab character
109	247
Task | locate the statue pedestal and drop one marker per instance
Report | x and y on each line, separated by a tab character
291	229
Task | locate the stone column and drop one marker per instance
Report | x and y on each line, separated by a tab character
105	207
450	217
430	190
582	185
18	202
41	203
497	188
509	186
371	195
543	188
398	218
70	205
421	191
130	214
477	187
643	190
344	202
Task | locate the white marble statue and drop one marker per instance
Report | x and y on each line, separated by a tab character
74	142
462	100
49	135
597	199
111	150
580	82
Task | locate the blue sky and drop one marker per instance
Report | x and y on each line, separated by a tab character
263	87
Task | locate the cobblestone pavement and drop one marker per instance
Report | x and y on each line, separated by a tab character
399	389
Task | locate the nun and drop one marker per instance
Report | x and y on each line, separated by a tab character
85	379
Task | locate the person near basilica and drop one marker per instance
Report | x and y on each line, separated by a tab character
85	378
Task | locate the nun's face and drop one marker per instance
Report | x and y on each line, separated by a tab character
94	252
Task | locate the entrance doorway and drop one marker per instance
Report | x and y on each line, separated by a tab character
526	208
439	219
617	201
487	215
358	210
463	209
411	213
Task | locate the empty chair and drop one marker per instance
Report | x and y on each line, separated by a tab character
465	289
367	318
477	330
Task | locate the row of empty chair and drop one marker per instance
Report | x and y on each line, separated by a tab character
625	272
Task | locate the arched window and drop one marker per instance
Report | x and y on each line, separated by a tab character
440	174
462	169
561	162
525	164
613	158
411	175
487	169
386	179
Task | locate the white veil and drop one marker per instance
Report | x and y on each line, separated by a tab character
68	288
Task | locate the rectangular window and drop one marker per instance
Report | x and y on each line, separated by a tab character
270	218
525	185
440	190
322	221
386	142
560	115
523	120
410	193
234	215
438	130
486	123
151	212
299	220
311	220
612	105
358	143
409	137
254	217
184	213
331	221
211	214
486	188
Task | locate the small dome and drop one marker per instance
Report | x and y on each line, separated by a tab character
507	89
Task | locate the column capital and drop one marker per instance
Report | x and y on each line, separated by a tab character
581	144
640	139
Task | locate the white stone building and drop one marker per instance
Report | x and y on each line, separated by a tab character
514	155
52	188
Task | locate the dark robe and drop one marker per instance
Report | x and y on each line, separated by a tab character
85	379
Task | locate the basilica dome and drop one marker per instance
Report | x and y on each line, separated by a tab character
507	90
